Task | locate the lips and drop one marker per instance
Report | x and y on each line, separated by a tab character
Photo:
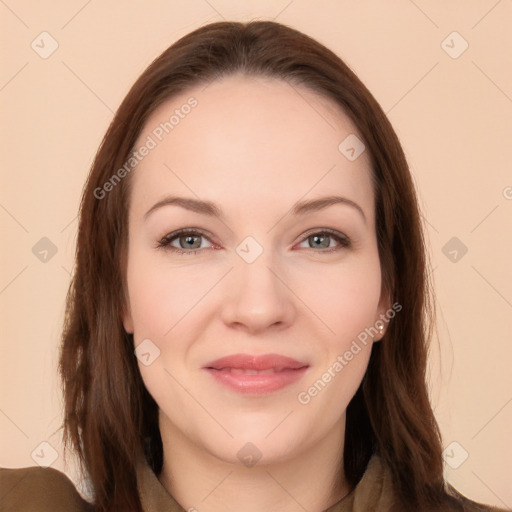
253	365
256	375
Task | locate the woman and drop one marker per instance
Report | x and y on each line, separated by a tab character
248	322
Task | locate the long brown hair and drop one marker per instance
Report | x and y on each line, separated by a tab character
110	419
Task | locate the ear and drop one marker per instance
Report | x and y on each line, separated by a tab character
383	313
126	312
126	315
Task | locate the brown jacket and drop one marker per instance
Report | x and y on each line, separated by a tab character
36	489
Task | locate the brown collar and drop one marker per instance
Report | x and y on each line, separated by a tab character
373	492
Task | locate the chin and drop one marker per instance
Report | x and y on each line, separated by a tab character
255	446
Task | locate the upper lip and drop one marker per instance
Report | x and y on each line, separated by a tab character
254	362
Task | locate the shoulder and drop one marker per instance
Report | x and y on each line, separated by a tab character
378	480
37	489
468	505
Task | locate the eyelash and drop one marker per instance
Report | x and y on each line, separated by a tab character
164	243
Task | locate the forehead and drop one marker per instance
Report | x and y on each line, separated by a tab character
253	140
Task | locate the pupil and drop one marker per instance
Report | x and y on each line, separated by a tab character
317	238
190	240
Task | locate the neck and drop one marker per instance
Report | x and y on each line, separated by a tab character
199	480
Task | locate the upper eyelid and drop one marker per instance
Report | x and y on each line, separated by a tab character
187	231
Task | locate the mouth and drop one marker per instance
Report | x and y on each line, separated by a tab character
256	375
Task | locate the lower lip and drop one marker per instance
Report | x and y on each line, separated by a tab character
259	384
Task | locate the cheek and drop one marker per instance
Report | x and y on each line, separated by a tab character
162	302
347	303
345	296
160	296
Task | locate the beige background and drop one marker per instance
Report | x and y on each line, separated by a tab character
453	116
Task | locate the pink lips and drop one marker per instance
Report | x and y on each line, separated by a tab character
256	374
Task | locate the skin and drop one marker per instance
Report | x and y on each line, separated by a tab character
253	146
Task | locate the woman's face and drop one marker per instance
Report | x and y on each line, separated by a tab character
258	275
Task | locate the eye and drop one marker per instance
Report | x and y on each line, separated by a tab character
323	239
188	241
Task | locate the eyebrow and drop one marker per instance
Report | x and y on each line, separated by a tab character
213	210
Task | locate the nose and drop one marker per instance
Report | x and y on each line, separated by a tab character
258	296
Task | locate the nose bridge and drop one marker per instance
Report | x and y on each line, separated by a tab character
256	295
